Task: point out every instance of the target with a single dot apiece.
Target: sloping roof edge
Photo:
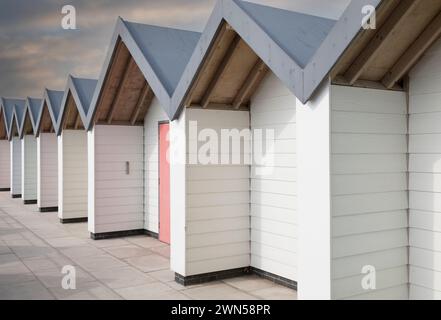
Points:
(301, 81)
(28, 112)
(73, 90)
(11, 103)
(18, 122)
(48, 102)
(122, 33)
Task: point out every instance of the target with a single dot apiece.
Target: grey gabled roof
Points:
(160, 53)
(8, 105)
(32, 110)
(18, 117)
(300, 49)
(82, 91)
(53, 100)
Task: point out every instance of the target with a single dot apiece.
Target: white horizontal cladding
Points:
(153, 118)
(115, 178)
(16, 166)
(424, 177)
(29, 168)
(313, 190)
(369, 188)
(72, 174)
(47, 170)
(5, 165)
(217, 196)
(273, 184)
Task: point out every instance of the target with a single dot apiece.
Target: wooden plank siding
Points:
(72, 174)
(273, 185)
(369, 192)
(15, 166)
(29, 168)
(115, 195)
(425, 176)
(5, 164)
(217, 202)
(154, 116)
(47, 173)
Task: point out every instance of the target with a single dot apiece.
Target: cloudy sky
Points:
(35, 52)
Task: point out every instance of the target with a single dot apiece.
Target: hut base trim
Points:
(48, 209)
(16, 196)
(30, 201)
(226, 274)
(5, 189)
(73, 220)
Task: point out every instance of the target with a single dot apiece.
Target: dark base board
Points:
(30, 201)
(151, 234)
(275, 278)
(5, 189)
(116, 234)
(212, 276)
(225, 274)
(73, 220)
(16, 196)
(49, 209)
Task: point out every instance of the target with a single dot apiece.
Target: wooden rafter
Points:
(208, 59)
(369, 53)
(69, 110)
(109, 75)
(77, 121)
(219, 72)
(120, 90)
(256, 75)
(414, 53)
(145, 98)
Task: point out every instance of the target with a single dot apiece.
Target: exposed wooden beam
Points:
(414, 53)
(145, 98)
(77, 121)
(341, 81)
(69, 110)
(219, 72)
(224, 29)
(382, 36)
(115, 58)
(120, 90)
(256, 75)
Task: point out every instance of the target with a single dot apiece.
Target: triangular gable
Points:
(160, 54)
(7, 106)
(17, 119)
(287, 42)
(49, 111)
(31, 113)
(81, 91)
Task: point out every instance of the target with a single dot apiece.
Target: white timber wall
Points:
(369, 192)
(178, 192)
(15, 166)
(425, 176)
(215, 216)
(29, 168)
(5, 164)
(314, 200)
(154, 116)
(273, 180)
(47, 170)
(115, 195)
(72, 174)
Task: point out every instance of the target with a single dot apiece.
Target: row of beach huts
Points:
(348, 205)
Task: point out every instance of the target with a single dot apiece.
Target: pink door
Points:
(164, 184)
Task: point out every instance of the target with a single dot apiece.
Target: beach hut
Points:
(47, 151)
(9, 109)
(5, 155)
(27, 131)
(129, 128)
(72, 150)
